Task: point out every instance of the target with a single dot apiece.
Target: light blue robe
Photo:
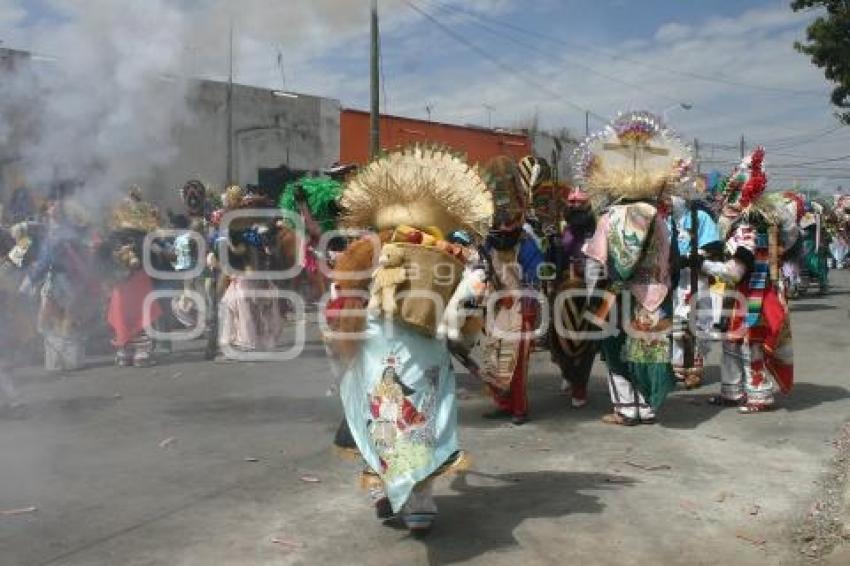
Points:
(400, 404)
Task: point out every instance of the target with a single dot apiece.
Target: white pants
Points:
(743, 375)
(628, 401)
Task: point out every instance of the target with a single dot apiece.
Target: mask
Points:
(579, 218)
(503, 241)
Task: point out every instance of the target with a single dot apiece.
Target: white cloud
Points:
(11, 14)
(673, 31)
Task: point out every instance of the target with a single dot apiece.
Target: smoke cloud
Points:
(99, 100)
(102, 98)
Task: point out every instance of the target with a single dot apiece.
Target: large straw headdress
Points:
(420, 186)
(510, 193)
(634, 157)
(134, 213)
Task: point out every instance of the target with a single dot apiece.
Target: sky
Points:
(732, 62)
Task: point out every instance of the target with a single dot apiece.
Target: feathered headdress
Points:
(321, 194)
(757, 181)
(510, 197)
(636, 157)
(747, 183)
(421, 186)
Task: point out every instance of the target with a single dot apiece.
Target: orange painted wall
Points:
(479, 144)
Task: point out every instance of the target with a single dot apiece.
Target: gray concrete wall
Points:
(299, 131)
(544, 146)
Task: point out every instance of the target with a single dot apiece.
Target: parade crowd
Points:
(419, 263)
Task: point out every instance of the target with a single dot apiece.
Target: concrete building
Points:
(557, 150)
(479, 144)
(271, 129)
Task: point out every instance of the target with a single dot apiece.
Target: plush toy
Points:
(127, 257)
(390, 274)
(23, 242)
(471, 287)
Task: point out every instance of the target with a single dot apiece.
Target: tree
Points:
(828, 45)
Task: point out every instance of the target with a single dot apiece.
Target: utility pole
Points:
(587, 123)
(375, 116)
(230, 180)
(489, 110)
(743, 147)
(696, 154)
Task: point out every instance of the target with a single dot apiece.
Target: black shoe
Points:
(383, 509)
(343, 437)
(519, 420)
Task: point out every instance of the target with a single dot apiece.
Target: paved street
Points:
(197, 463)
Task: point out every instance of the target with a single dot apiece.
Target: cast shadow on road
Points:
(811, 307)
(690, 410)
(832, 292)
(548, 407)
(481, 517)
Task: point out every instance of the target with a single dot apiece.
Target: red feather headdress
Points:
(757, 181)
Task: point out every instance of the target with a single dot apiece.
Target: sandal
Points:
(618, 419)
(383, 509)
(579, 395)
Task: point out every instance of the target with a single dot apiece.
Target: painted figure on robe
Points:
(396, 291)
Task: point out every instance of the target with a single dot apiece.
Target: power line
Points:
(615, 56)
(818, 161)
(513, 71)
(806, 139)
(531, 47)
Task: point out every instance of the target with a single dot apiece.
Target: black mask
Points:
(580, 218)
(502, 240)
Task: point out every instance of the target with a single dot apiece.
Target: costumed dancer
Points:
(131, 221)
(62, 277)
(187, 255)
(17, 317)
(398, 389)
(250, 321)
(571, 350)
(694, 237)
(315, 200)
(514, 258)
(815, 246)
(757, 229)
(632, 164)
(840, 246)
(792, 261)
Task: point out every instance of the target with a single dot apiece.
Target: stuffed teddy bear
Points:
(20, 233)
(472, 286)
(385, 280)
(127, 257)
